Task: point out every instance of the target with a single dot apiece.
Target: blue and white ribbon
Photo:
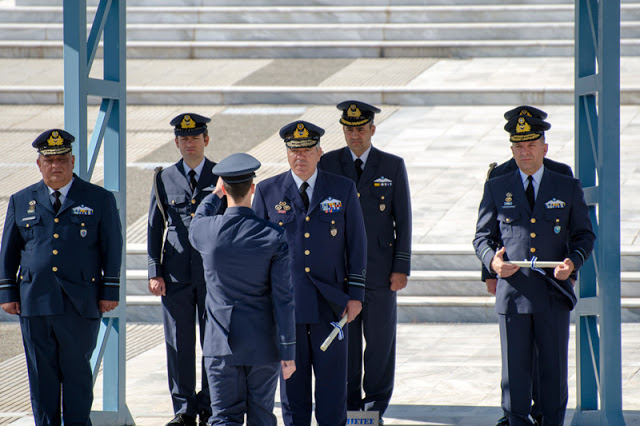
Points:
(339, 327)
(533, 265)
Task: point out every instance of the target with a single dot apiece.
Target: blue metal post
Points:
(79, 53)
(597, 115)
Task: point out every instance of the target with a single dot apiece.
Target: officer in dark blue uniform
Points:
(250, 330)
(491, 279)
(175, 268)
(383, 188)
(59, 270)
(531, 212)
(325, 231)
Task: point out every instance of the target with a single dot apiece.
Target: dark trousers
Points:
(377, 324)
(58, 350)
(239, 389)
(183, 304)
(546, 333)
(330, 372)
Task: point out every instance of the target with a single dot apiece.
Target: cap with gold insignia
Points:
(524, 128)
(525, 110)
(53, 142)
(189, 124)
(356, 113)
(301, 134)
(237, 168)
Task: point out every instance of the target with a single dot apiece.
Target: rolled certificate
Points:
(334, 333)
(534, 264)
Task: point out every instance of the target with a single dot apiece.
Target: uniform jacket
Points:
(250, 308)
(181, 263)
(77, 251)
(327, 244)
(384, 195)
(559, 227)
(510, 166)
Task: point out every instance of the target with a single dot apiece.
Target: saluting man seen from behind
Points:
(529, 212)
(490, 279)
(250, 334)
(59, 271)
(383, 190)
(175, 268)
(323, 222)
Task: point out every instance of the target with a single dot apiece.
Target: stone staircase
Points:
(444, 286)
(189, 29)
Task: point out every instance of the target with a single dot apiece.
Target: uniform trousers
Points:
(522, 335)
(377, 323)
(239, 389)
(58, 349)
(182, 305)
(330, 373)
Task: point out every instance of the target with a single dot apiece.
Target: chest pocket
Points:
(511, 224)
(381, 197)
(28, 225)
(178, 205)
(83, 227)
(557, 220)
(283, 220)
(333, 224)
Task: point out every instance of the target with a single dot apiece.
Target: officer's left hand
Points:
(353, 309)
(398, 281)
(12, 308)
(562, 272)
(107, 305)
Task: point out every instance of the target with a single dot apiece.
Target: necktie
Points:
(192, 180)
(530, 194)
(57, 204)
(303, 194)
(358, 166)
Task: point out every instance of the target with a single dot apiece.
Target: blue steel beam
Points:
(109, 134)
(597, 155)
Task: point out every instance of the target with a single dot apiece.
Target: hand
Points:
(218, 190)
(288, 368)
(157, 287)
(12, 308)
(562, 272)
(492, 284)
(398, 281)
(107, 305)
(352, 310)
(503, 270)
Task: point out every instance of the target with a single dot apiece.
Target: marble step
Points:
(322, 32)
(323, 14)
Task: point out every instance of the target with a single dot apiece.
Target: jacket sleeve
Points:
(283, 302)
(259, 205)
(110, 250)
(207, 209)
(10, 257)
(402, 217)
(356, 246)
(581, 236)
(487, 235)
(155, 232)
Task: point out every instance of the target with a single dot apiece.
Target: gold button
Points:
(333, 222)
(55, 269)
(56, 220)
(55, 252)
(307, 252)
(390, 244)
(382, 198)
(358, 195)
(193, 201)
(508, 220)
(533, 220)
(280, 223)
(21, 277)
(173, 201)
(307, 269)
(307, 235)
(557, 220)
(93, 280)
(307, 218)
(55, 235)
(533, 235)
(193, 214)
(82, 224)
(27, 225)
(533, 249)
